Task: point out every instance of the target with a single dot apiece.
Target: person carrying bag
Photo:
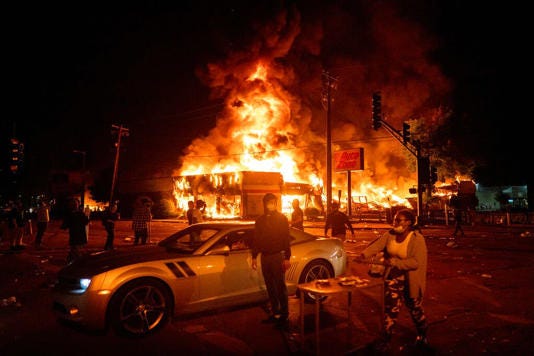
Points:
(404, 272)
(377, 268)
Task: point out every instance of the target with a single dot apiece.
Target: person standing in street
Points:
(18, 220)
(11, 218)
(193, 213)
(271, 240)
(108, 220)
(194, 216)
(75, 221)
(406, 257)
(141, 219)
(458, 222)
(339, 223)
(297, 217)
(43, 218)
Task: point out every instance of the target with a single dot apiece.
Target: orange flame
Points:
(261, 131)
(267, 125)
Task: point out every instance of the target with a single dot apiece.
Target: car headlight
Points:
(83, 284)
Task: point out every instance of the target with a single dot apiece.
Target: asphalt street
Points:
(480, 300)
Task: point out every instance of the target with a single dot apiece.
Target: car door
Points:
(228, 276)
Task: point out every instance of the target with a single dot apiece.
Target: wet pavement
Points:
(480, 300)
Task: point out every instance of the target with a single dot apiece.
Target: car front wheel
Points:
(317, 269)
(140, 308)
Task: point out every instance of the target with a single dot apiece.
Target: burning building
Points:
(238, 194)
(271, 130)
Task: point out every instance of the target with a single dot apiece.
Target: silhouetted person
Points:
(87, 212)
(108, 220)
(339, 222)
(194, 215)
(271, 239)
(297, 217)
(43, 218)
(141, 219)
(18, 220)
(75, 221)
(458, 222)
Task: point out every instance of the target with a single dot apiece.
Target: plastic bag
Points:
(377, 268)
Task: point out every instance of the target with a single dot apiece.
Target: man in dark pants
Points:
(271, 239)
(141, 219)
(43, 218)
(75, 221)
(108, 220)
(339, 222)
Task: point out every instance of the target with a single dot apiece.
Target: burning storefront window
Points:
(239, 194)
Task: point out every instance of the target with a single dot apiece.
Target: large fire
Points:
(261, 132)
(270, 123)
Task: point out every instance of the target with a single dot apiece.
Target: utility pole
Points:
(82, 195)
(329, 83)
(121, 131)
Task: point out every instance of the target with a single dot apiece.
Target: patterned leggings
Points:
(395, 291)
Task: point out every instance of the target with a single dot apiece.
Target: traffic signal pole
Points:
(413, 147)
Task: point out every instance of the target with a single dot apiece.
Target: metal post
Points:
(349, 193)
(122, 131)
(328, 84)
(82, 196)
(328, 150)
(419, 189)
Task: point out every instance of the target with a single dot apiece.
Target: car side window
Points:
(239, 240)
(197, 236)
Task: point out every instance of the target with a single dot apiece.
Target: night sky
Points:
(74, 72)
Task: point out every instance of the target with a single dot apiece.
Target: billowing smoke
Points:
(274, 117)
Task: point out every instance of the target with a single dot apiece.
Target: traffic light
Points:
(433, 175)
(423, 170)
(405, 132)
(377, 110)
(16, 156)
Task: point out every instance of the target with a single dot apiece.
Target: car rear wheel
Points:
(140, 308)
(317, 269)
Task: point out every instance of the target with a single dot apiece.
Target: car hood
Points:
(100, 262)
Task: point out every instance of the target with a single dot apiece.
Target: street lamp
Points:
(82, 197)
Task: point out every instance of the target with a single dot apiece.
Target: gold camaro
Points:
(205, 266)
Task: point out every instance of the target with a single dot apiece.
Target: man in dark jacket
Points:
(271, 239)
(108, 220)
(75, 221)
(339, 222)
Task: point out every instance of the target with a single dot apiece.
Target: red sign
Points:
(349, 160)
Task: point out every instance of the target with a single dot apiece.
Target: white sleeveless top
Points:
(399, 249)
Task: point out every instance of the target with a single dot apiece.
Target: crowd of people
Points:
(18, 221)
(403, 247)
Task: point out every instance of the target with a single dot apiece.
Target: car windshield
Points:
(189, 239)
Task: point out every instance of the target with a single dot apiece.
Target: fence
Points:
(441, 217)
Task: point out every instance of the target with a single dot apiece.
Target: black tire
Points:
(140, 308)
(316, 269)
